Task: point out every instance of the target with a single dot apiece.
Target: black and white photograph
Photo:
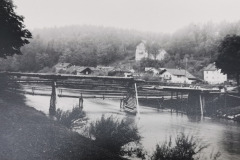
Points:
(119, 80)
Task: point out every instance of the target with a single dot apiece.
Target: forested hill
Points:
(91, 46)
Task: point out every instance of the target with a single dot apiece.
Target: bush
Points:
(112, 134)
(134, 150)
(186, 148)
(150, 77)
(69, 118)
(4, 83)
(47, 70)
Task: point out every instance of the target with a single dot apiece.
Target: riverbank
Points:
(214, 109)
(230, 113)
(26, 133)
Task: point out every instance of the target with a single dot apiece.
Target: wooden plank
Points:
(66, 76)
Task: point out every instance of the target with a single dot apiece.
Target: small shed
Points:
(120, 73)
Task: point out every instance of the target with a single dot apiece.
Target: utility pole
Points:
(186, 71)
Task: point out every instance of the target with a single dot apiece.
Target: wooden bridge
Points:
(127, 89)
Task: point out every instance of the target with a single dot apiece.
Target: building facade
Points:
(176, 76)
(141, 52)
(212, 75)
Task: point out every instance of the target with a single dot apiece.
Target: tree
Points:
(145, 62)
(13, 34)
(112, 134)
(229, 56)
(153, 49)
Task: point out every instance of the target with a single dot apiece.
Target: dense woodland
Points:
(91, 46)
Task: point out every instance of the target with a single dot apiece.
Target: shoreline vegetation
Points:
(29, 134)
(230, 113)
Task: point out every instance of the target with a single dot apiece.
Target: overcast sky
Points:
(144, 15)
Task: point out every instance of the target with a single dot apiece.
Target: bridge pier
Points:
(80, 102)
(196, 103)
(130, 103)
(122, 104)
(53, 100)
(33, 90)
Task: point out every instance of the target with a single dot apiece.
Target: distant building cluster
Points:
(173, 75)
(67, 68)
(211, 74)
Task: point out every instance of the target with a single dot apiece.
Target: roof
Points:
(211, 67)
(120, 70)
(105, 68)
(82, 69)
(147, 69)
(179, 72)
(62, 65)
(72, 68)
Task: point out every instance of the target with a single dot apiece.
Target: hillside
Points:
(92, 45)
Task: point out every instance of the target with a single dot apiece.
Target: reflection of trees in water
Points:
(231, 139)
(194, 118)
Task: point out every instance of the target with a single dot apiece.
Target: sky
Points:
(163, 16)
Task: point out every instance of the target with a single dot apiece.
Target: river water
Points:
(156, 126)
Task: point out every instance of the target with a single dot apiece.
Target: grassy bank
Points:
(26, 133)
(230, 113)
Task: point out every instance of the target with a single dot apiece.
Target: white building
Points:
(141, 53)
(177, 76)
(212, 75)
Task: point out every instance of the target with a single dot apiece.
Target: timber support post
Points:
(137, 104)
(121, 104)
(53, 100)
(81, 102)
(201, 104)
(33, 90)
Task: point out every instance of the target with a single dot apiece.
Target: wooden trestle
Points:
(122, 88)
(127, 89)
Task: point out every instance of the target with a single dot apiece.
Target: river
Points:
(156, 126)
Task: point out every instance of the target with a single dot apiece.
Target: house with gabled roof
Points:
(62, 66)
(85, 70)
(72, 69)
(177, 76)
(213, 75)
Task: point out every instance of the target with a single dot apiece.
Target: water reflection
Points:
(194, 118)
(156, 125)
(231, 139)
